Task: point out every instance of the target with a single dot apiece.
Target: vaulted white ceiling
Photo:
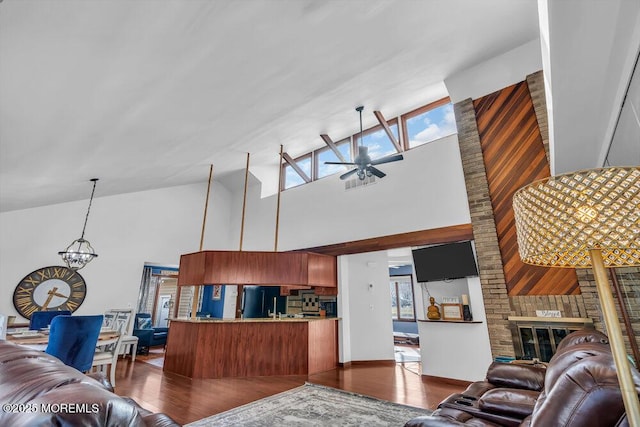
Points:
(146, 94)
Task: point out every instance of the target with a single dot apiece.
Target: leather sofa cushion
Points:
(581, 337)
(23, 382)
(478, 388)
(587, 389)
(580, 389)
(511, 375)
(38, 379)
(92, 406)
(562, 360)
(509, 401)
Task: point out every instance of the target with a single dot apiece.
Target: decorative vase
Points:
(433, 312)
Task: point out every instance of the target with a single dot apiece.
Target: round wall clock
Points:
(49, 288)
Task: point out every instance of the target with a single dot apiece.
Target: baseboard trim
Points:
(367, 363)
(445, 380)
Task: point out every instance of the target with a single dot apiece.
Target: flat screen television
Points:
(444, 262)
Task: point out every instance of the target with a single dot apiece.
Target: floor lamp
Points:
(583, 219)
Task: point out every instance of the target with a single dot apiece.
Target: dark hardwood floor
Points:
(186, 400)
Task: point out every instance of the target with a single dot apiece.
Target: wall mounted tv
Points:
(444, 262)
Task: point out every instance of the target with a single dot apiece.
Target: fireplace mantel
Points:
(534, 319)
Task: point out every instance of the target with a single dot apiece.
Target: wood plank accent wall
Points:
(514, 156)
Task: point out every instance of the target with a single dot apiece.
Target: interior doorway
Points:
(403, 306)
(157, 295)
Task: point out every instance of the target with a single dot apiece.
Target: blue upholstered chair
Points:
(42, 319)
(73, 339)
(148, 336)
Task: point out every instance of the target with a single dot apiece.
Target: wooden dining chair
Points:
(73, 339)
(107, 356)
(121, 319)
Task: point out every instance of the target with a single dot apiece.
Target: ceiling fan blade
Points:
(377, 172)
(348, 174)
(387, 159)
(339, 163)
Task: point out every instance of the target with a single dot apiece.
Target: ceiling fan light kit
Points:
(365, 167)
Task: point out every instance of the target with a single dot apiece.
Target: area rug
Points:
(315, 405)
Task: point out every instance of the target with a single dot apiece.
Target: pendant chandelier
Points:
(80, 252)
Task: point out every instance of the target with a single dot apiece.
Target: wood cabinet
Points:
(258, 268)
(245, 348)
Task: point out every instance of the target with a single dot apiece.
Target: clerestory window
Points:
(417, 127)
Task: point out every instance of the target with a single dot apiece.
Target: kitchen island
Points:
(218, 348)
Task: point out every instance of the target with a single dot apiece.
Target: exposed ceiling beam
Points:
(333, 147)
(387, 129)
(450, 234)
(287, 158)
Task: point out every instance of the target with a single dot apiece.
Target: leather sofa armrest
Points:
(102, 379)
(159, 420)
(445, 417)
(150, 418)
(509, 401)
(478, 388)
(432, 421)
(511, 375)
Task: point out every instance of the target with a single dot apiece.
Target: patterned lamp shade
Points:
(559, 219)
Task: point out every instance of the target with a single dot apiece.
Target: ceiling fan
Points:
(365, 167)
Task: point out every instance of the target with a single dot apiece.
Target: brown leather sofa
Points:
(37, 389)
(579, 387)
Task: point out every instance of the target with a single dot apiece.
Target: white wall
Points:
(496, 73)
(438, 290)
(125, 230)
(592, 49)
(456, 350)
(424, 191)
(368, 302)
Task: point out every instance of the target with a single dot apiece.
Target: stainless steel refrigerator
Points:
(258, 301)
